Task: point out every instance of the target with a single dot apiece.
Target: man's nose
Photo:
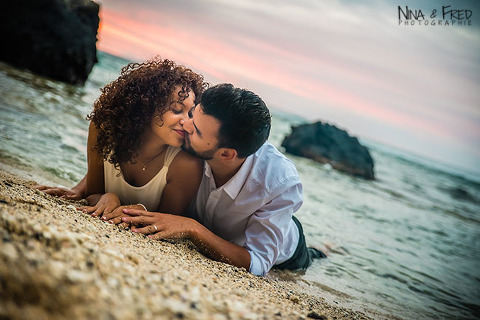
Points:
(187, 125)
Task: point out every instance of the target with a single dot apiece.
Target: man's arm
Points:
(264, 232)
(167, 226)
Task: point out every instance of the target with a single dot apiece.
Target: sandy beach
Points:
(57, 263)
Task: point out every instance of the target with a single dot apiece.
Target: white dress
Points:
(149, 194)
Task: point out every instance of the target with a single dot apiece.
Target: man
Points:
(243, 212)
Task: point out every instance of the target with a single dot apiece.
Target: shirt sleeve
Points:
(266, 229)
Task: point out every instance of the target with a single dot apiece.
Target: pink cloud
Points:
(329, 79)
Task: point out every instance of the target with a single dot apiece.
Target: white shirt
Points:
(254, 208)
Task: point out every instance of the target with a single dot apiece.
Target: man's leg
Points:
(302, 257)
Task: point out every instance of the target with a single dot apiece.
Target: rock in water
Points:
(328, 144)
(54, 38)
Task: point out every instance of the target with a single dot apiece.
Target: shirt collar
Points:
(235, 184)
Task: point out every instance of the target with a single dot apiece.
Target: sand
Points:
(58, 263)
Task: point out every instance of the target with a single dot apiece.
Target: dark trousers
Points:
(302, 257)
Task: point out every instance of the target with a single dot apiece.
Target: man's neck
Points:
(223, 171)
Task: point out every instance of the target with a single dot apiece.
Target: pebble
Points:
(9, 251)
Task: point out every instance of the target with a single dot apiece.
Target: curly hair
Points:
(126, 106)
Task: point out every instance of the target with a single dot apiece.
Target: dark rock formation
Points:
(328, 144)
(54, 38)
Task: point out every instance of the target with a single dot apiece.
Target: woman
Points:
(134, 156)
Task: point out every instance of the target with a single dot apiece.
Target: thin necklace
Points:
(146, 164)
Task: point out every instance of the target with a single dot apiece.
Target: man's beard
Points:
(206, 155)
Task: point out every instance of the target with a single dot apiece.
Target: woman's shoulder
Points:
(184, 160)
(186, 168)
(186, 157)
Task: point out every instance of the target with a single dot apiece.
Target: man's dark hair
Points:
(244, 118)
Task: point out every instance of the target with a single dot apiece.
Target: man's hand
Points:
(64, 193)
(159, 225)
(167, 226)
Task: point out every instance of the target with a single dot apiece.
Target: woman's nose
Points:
(184, 116)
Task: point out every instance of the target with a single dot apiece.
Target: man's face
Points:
(202, 131)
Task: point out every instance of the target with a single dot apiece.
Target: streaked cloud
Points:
(347, 62)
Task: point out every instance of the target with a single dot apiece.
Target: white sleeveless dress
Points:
(149, 194)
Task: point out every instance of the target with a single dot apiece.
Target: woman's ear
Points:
(158, 121)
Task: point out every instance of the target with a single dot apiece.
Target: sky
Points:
(354, 64)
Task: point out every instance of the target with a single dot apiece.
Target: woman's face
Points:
(167, 126)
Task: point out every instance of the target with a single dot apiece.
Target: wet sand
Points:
(58, 263)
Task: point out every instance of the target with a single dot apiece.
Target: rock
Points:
(328, 144)
(54, 38)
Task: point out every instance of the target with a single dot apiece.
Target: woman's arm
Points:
(94, 183)
(100, 203)
(183, 178)
(79, 189)
(76, 193)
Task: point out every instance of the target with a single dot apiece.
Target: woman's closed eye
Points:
(176, 107)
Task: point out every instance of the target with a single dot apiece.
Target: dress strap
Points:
(170, 155)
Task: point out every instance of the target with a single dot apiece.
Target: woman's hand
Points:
(159, 225)
(115, 217)
(64, 193)
(107, 203)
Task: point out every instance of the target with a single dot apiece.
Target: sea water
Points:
(405, 244)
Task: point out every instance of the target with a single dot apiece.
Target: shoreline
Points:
(56, 262)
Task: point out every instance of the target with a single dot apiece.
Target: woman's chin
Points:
(177, 142)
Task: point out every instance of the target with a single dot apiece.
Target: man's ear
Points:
(228, 153)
